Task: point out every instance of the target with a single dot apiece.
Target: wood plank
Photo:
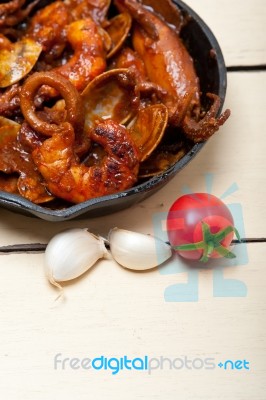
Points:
(239, 27)
(114, 312)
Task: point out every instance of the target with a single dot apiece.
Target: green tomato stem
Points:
(211, 242)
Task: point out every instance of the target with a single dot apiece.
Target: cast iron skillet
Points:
(212, 74)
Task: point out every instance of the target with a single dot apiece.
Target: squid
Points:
(56, 157)
(96, 103)
(73, 105)
(169, 65)
(128, 58)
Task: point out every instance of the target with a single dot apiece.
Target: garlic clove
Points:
(137, 251)
(71, 253)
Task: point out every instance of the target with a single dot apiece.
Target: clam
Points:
(159, 162)
(118, 28)
(17, 61)
(110, 95)
(147, 129)
(8, 128)
(169, 151)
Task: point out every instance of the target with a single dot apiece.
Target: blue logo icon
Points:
(232, 365)
(222, 286)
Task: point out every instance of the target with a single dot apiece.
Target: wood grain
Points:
(114, 312)
(239, 27)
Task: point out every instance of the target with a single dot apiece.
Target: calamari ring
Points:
(74, 106)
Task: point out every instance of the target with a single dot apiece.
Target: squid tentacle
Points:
(203, 129)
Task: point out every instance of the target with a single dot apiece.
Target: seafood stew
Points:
(103, 115)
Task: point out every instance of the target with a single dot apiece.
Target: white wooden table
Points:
(112, 312)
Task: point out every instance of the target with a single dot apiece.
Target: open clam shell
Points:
(110, 95)
(8, 128)
(171, 149)
(159, 162)
(118, 28)
(18, 61)
(147, 129)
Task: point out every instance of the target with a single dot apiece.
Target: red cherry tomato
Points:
(200, 226)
